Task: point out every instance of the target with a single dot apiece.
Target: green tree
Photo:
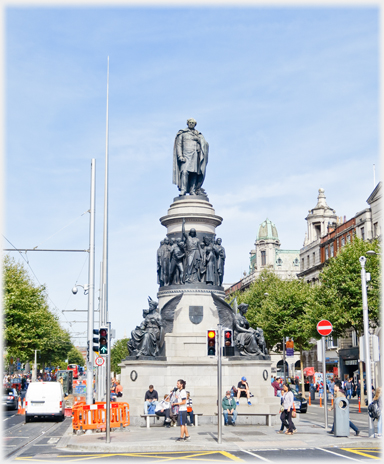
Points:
(119, 352)
(75, 357)
(29, 325)
(280, 308)
(338, 298)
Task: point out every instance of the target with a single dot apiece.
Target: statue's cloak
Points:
(203, 160)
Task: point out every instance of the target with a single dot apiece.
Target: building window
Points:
(342, 241)
(296, 262)
(331, 342)
(326, 252)
(362, 233)
(375, 229)
(348, 238)
(263, 258)
(354, 338)
(308, 262)
(302, 264)
(279, 262)
(332, 251)
(314, 258)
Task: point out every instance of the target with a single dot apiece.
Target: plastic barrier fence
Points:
(93, 416)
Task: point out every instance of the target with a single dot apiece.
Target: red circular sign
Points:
(324, 327)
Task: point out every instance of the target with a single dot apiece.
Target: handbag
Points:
(281, 408)
(189, 409)
(294, 411)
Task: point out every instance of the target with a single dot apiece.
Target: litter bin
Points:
(341, 417)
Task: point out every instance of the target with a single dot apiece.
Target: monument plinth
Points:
(171, 344)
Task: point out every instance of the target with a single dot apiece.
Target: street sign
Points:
(324, 328)
(99, 361)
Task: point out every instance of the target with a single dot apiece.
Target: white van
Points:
(44, 399)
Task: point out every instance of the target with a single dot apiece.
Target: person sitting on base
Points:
(243, 391)
(151, 397)
(163, 408)
(229, 407)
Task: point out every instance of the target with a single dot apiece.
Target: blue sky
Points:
(286, 97)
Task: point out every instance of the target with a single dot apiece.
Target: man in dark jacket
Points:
(229, 407)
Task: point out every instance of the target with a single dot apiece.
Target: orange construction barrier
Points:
(21, 408)
(320, 403)
(359, 405)
(309, 400)
(332, 401)
(93, 416)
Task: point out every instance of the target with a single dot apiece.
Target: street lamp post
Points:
(362, 259)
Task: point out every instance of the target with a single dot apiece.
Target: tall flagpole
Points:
(104, 306)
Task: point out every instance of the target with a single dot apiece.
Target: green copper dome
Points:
(267, 231)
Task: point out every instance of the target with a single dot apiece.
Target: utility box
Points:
(341, 417)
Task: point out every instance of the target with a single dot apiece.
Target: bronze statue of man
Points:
(190, 158)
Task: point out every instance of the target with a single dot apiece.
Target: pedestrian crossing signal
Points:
(211, 342)
(103, 341)
(228, 348)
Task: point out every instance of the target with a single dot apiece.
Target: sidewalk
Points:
(247, 437)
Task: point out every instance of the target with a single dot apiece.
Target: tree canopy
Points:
(29, 325)
(119, 352)
(280, 308)
(338, 298)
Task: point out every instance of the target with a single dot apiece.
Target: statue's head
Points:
(166, 241)
(192, 232)
(178, 240)
(162, 242)
(218, 241)
(181, 244)
(152, 305)
(172, 241)
(243, 308)
(191, 123)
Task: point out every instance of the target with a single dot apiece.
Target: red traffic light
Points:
(227, 334)
(103, 332)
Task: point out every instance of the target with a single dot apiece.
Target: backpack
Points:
(151, 408)
(374, 410)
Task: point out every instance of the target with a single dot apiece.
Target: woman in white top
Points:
(288, 408)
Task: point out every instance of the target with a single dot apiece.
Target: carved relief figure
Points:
(193, 255)
(220, 255)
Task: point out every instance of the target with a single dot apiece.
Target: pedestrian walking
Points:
(182, 417)
(190, 410)
(378, 406)
(286, 411)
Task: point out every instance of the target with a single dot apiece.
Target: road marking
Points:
(255, 455)
(340, 455)
(359, 451)
(163, 455)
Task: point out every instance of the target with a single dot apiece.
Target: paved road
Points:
(255, 455)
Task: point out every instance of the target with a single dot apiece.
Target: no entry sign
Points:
(324, 328)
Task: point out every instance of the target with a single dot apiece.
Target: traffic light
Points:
(103, 341)
(96, 340)
(211, 342)
(228, 348)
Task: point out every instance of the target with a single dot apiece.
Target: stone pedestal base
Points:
(201, 378)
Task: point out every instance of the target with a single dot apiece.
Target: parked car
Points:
(75, 369)
(300, 401)
(44, 399)
(10, 398)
